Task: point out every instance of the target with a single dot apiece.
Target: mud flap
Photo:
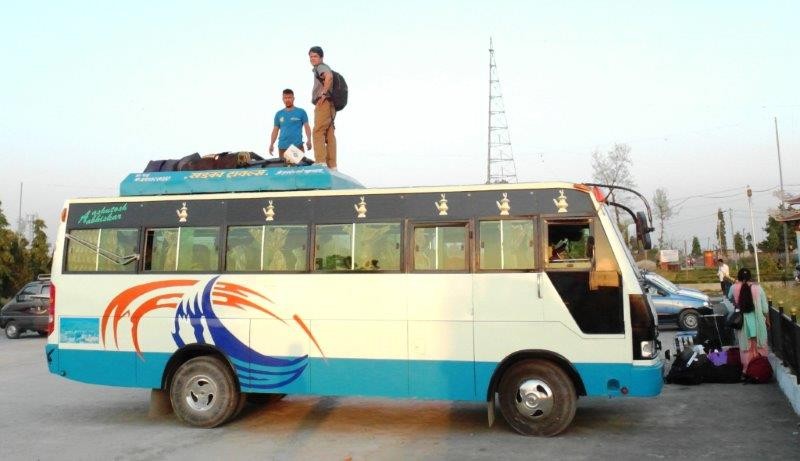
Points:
(490, 410)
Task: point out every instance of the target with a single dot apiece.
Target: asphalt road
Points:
(47, 417)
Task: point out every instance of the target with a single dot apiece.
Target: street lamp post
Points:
(783, 197)
(753, 231)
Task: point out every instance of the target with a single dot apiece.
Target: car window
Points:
(31, 289)
(45, 290)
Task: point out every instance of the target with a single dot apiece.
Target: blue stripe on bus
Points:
(429, 379)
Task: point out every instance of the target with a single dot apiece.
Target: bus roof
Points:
(339, 190)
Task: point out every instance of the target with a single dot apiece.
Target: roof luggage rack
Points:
(231, 172)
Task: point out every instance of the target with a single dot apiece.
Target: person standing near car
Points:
(724, 275)
(324, 112)
(289, 121)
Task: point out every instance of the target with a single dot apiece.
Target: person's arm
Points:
(272, 139)
(327, 83)
(307, 127)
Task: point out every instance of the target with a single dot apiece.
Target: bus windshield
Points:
(625, 248)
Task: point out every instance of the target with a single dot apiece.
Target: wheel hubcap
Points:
(12, 330)
(690, 321)
(534, 399)
(201, 393)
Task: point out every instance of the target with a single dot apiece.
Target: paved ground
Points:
(47, 417)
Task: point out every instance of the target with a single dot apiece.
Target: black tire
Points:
(12, 330)
(264, 399)
(203, 392)
(689, 319)
(551, 398)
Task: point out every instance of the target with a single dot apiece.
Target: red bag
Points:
(758, 371)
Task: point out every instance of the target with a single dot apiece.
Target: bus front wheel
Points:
(203, 392)
(537, 398)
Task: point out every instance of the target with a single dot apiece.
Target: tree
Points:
(663, 213)
(738, 243)
(40, 250)
(613, 169)
(773, 242)
(721, 235)
(6, 258)
(749, 239)
(696, 250)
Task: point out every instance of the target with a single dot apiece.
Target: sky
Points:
(92, 90)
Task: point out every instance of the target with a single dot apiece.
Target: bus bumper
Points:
(51, 354)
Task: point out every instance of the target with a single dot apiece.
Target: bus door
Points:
(582, 268)
(440, 338)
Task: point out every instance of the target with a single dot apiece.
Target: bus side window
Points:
(191, 249)
(285, 248)
(244, 248)
(440, 248)
(506, 245)
(121, 242)
(199, 248)
(377, 246)
(81, 258)
(570, 245)
(333, 245)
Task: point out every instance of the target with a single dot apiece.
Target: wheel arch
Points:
(189, 352)
(540, 354)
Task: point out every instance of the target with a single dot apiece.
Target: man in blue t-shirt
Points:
(288, 121)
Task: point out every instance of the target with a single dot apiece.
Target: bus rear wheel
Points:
(537, 398)
(203, 392)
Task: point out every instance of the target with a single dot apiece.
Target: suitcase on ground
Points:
(688, 368)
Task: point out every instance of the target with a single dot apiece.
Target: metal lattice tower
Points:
(500, 167)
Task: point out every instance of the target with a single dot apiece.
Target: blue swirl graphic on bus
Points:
(196, 322)
(262, 371)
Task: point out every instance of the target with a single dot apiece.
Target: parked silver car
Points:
(675, 304)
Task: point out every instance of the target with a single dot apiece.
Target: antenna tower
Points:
(500, 166)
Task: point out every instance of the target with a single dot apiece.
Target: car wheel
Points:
(264, 399)
(204, 393)
(537, 398)
(12, 330)
(688, 320)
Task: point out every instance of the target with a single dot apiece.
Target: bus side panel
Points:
(441, 365)
(497, 340)
(367, 358)
(440, 335)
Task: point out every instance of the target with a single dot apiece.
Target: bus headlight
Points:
(648, 349)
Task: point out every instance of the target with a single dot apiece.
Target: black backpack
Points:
(338, 90)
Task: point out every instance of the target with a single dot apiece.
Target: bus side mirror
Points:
(643, 230)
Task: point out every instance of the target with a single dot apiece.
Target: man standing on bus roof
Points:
(324, 112)
(289, 121)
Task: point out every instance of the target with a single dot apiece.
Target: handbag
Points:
(736, 320)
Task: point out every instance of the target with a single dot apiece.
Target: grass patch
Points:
(788, 296)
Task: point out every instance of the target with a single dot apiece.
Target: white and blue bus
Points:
(522, 295)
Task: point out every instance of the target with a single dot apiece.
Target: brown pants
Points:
(283, 151)
(323, 135)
